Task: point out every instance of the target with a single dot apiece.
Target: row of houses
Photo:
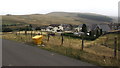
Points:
(57, 28)
(76, 28)
(69, 27)
(92, 27)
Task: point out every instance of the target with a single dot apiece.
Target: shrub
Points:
(79, 37)
(7, 30)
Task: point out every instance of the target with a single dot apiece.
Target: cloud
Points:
(108, 7)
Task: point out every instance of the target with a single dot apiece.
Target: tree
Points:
(91, 33)
(30, 25)
(97, 33)
(84, 29)
(37, 28)
(100, 31)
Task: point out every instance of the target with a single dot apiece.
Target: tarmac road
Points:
(19, 54)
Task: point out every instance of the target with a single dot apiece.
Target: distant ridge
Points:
(57, 17)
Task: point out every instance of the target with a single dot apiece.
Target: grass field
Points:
(94, 51)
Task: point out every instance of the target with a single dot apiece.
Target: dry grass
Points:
(93, 52)
(100, 50)
(46, 19)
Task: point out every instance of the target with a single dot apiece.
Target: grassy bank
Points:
(93, 51)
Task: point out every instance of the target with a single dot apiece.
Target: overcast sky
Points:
(20, 7)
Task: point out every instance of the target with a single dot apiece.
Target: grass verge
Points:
(95, 54)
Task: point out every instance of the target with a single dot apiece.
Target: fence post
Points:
(26, 35)
(41, 32)
(19, 32)
(31, 33)
(82, 42)
(48, 37)
(16, 32)
(25, 32)
(115, 47)
(105, 42)
(62, 40)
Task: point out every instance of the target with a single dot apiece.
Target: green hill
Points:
(56, 18)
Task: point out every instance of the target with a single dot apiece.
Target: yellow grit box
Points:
(37, 39)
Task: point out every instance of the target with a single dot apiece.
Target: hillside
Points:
(115, 19)
(56, 18)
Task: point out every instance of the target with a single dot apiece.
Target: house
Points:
(78, 28)
(114, 26)
(75, 28)
(43, 28)
(59, 27)
(105, 27)
(100, 27)
(93, 27)
(90, 27)
(49, 28)
(67, 27)
(54, 28)
(34, 26)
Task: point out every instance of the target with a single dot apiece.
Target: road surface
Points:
(18, 54)
(0, 52)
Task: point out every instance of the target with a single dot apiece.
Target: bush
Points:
(23, 29)
(7, 30)
(79, 37)
(37, 28)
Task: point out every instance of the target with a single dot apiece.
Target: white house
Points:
(55, 28)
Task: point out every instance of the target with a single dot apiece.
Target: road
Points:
(0, 52)
(19, 54)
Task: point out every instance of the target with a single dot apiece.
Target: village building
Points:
(59, 28)
(93, 27)
(114, 26)
(67, 27)
(105, 28)
(54, 28)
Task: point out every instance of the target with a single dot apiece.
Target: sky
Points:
(21, 7)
